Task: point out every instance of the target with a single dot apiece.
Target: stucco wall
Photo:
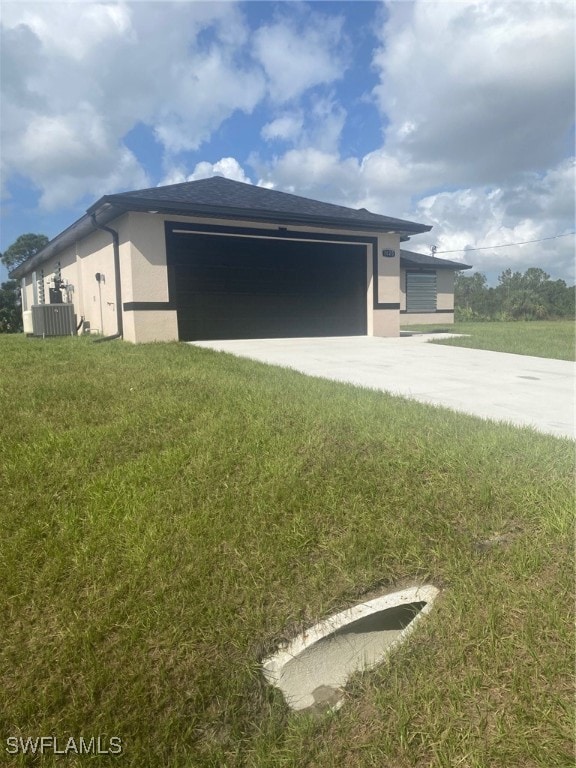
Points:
(28, 292)
(151, 325)
(97, 301)
(386, 322)
(93, 301)
(147, 258)
(423, 318)
(445, 286)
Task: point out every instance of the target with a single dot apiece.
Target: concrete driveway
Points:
(525, 391)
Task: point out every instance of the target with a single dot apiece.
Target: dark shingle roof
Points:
(222, 198)
(225, 197)
(412, 259)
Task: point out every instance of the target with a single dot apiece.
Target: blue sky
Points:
(456, 114)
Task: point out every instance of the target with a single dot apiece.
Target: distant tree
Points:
(24, 247)
(472, 296)
(534, 278)
(10, 314)
(559, 298)
(533, 296)
(469, 288)
(518, 296)
(508, 283)
(525, 304)
(20, 250)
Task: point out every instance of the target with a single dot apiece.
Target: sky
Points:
(458, 114)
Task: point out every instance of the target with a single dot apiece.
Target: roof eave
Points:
(226, 212)
(455, 265)
(110, 207)
(76, 231)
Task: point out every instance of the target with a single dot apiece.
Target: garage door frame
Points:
(173, 229)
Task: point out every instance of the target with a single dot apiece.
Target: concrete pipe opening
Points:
(312, 669)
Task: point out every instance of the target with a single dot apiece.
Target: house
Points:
(220, 259)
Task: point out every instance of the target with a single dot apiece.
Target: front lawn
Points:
(170, 514)
(540, 338)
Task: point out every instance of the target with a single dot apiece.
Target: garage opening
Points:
(229, 287)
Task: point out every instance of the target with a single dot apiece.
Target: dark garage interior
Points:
(234, 287)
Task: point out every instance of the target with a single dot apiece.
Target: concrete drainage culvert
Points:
(312, 669)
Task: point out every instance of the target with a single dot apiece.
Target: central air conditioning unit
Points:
(53, 320)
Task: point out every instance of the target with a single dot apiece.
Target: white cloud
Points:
(311, 173)
(484, 88)
(480, 218)
(286, 128)
(379, 181)
(68, 156)
(120, 170)
(228, 167)
(319, 126)
(476, 95)
(476, 101)
(205, 92)
(299, 51)
(69, 29)
(326, 120)
(78, 77)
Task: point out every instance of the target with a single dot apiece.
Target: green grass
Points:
(170, 514)
(541, 338)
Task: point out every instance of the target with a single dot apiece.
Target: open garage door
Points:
(228, 287)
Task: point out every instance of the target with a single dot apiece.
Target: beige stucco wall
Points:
(145, 278)
(444, 300)
(433, 318)
(78, 266)
(148, 280)
(97, 302)
(386, 322)
(445, 288)
(27, 288)
(152, 325)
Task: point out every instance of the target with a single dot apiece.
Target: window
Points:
(420, 291)
(41, 295)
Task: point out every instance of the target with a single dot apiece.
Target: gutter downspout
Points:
(116, 245)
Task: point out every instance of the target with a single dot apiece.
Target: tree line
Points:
(531, 295)
(10, 308)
